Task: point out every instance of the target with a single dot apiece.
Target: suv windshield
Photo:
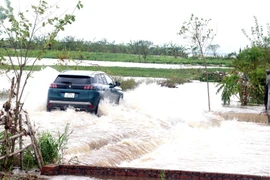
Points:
(69, 79)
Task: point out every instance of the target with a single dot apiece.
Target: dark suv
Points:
(82, 90)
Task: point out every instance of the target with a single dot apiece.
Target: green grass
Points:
(53, 148)
(78, 55)
(188, 74)
(171, 75)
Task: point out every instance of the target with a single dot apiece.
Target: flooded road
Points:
(48, 61)
(156, 127)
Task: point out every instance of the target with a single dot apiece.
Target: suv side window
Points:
(108, 79)
(103, 78)
(99, 79)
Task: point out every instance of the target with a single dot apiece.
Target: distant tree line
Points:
(141, 48)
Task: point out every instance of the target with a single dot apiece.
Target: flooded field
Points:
(156, 127)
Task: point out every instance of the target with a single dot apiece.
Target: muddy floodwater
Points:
(156, 127)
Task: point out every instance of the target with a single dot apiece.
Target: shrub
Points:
(216, 76)
(127, 84)
(29, 160)
(172, 81)
(3, 152)
(52, 149)
(49, 148)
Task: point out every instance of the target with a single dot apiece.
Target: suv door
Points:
(112, 91)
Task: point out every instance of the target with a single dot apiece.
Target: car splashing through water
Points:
(82, 90)
(156, 127)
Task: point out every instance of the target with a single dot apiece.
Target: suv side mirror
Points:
(117, 83)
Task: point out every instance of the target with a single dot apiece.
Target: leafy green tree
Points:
(145, 48)
(228, 87)
(246, 80)
(213, 48)
(141, 48)
(249, 68)
(199, 34)
(176, 50)
(195, 52)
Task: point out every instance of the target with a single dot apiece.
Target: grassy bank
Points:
(173, 76)
(78, 55)
(184, 74)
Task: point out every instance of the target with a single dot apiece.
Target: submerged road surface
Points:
(156, 127)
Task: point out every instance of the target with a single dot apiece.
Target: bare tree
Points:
(258, 37)
(18, 31)
(199, 34)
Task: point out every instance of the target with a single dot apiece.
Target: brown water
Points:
(157, 127)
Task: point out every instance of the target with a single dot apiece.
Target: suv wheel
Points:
(96, 110)
(120, 99)
(48, 109)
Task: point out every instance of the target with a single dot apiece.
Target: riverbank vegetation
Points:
(65, 54)
(247, 79)
(171, 76)
(188, 73)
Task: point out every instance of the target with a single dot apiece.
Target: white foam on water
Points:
(156, 127)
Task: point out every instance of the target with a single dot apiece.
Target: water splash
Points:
(156, 127)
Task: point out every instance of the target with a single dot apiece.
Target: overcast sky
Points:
(159, 21)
